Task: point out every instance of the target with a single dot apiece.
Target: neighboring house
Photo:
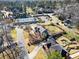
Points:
(42, 11)
(7, 14)
(69, 23)
(48, 11)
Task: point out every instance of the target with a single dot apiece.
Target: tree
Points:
(77, 26)
(54, 4)
(55, 55)
(77, 1)
(1, 16)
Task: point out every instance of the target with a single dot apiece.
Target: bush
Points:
(55, 55)
(77, 38)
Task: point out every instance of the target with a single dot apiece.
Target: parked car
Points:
(69, 23)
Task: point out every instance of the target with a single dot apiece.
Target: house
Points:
(25, 20)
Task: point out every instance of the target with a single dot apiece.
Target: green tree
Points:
(54, 4)
(55, 55)
(77, 25)
(1, 17)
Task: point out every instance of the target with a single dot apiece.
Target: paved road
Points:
(35, 51)
(20, 40)
(20, 36)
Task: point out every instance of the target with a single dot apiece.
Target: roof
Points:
(23, 20)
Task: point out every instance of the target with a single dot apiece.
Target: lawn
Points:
(69, 35)
(41, 55)
(53, 29)
(77, 38)
(13, 34)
